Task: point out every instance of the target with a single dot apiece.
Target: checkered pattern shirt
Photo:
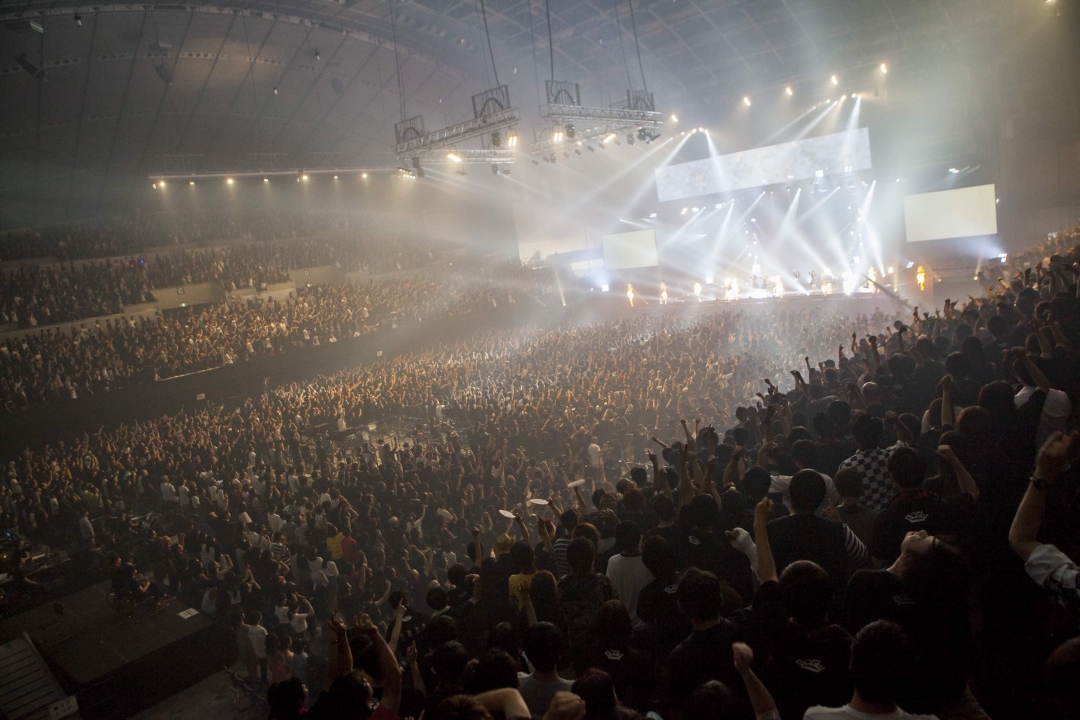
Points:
(878, 485)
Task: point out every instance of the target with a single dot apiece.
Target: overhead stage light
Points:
(834, 80)
(746, 100)
(674, 118)
(884, 69)
(191, 182)
(452, 156)
(266, 180)
(496, 139)
(228, 181)
(953, 171)
(78, 19)
(570, 130)
(511, 139)
(789, 91)
(629, 138)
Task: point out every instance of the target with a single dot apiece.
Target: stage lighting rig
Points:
(492, 115)
(570, 120)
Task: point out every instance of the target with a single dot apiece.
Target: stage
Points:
(116, 665)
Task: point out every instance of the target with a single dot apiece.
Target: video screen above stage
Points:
(624, 251)
(847, 151)
(959, 213)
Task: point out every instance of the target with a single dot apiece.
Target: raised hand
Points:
(1054, 454)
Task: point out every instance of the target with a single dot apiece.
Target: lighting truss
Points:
(564, 108)
(470, 156)
(491, 112)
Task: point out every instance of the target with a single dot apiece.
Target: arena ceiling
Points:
(148, 87)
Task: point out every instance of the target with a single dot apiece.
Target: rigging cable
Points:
(551, 43)
(491, 50)
(536, 70)
(633, 24)
(397, 62)
(622, 49)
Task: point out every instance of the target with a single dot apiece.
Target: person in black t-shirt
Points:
(631, 670)
(916, 508)
(805, 536)
(809, 664)
(925, 593)
(658, 605)
(706, 654)
(703, 548)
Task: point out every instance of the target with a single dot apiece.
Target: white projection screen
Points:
(964, 212)
(630, 250)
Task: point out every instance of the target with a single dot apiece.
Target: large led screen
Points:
(847, 151)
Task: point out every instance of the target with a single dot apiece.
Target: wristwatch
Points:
(1039, 482)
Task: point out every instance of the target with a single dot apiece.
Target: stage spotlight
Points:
(571, 131)
(695, 209)
(335, 177)
(746, 100)
(605, 288)
(154, 186)
(652, 216)
(629, 138)
(228, 181)
(834, 80)
(608, 138)
(789, 91)
(709, 280)
(511, 139)
(884, 69)
(953, 171)
(910, 265)
(363, 175)
(305, 177)
(496, 139)
(641, 135)
(674, 118)
(78, 19)
(684, 211)
(452, 156)
(191, 182)
(266, 180)
(557, 135)
(891, 270)
(275, 90)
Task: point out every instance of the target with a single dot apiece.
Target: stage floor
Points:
(90, 639)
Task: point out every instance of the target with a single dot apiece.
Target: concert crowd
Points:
(740, 513)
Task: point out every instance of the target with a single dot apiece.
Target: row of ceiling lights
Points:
(231, 181)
